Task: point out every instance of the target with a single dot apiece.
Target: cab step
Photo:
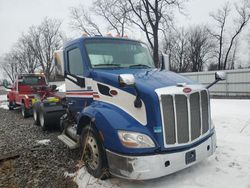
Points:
(68, 141)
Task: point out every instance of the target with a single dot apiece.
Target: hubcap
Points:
(91, 153)
(41, 120)
(35, 115)
(23, 114)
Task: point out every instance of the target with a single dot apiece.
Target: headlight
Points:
(135, 140)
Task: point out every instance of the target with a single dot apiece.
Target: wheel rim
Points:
(91, 153)
(41, 120)
(23, 113)
(35, 115)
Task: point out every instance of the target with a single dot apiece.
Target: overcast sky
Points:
(16, 16)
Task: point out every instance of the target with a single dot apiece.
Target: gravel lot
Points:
(32, 164)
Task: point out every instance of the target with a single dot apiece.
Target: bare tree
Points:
(199, 48)
(189, 49)
(178, 51)
(220, 18)
(115, 12)
(150, 15)
(233, 58)
(45, 39)
(240, 22)
(82, 21)
(9, 66)
(24, 55)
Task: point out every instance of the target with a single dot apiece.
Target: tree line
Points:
(34, 49)
(194, 48)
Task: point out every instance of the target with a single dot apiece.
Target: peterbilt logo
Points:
(187, 90)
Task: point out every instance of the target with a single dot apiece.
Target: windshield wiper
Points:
(107, 64)
(139, 65)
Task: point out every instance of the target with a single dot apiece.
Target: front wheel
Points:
(11, 105)
(93, 153)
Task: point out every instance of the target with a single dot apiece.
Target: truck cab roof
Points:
(99, 37)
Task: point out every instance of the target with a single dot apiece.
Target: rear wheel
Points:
(25, 111)
(93, 153)
(49, 119)
(36, 107)
(43, 120)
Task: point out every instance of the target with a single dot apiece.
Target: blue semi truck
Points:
(129, 118)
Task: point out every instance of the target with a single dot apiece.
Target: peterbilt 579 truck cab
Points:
(129, 118)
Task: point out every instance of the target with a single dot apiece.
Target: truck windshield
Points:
(31, 80)
(118, 54)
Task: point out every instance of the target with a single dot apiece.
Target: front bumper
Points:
(158, 165)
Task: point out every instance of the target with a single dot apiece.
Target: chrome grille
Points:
(182, 118)
(195, 118)
(204, 102)
(169, 120)
(185, 117)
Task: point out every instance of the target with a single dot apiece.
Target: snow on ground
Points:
(229, 167)
(43, 142)
(3, 102)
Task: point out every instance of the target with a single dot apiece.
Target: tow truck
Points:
(129, 118)
(28, 91)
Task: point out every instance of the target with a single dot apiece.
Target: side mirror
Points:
(58, 64)
(220, 75)
(129, 80)
(126, 80)
(164, 59)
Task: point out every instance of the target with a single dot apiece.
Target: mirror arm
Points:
(214, 82)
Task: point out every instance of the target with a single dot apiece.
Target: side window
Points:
(75, 63)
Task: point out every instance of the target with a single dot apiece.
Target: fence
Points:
(237, 82)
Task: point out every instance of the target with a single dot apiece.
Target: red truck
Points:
(28, 90)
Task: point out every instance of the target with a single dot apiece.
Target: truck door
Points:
(76, 92)
(16, 92)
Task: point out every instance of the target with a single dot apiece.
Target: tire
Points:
(36, 108)
(48, 119)
(11, 105)
(93, 153)
(43, 119)
(24, 111)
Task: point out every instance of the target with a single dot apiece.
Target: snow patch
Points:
(84, 179)
(228, 167)
(4, 102)
(43, 142)
(71, 175)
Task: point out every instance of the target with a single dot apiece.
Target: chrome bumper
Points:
(154, 166)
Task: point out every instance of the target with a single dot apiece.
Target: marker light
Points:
(109, 35)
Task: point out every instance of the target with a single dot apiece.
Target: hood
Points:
(145, 79)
